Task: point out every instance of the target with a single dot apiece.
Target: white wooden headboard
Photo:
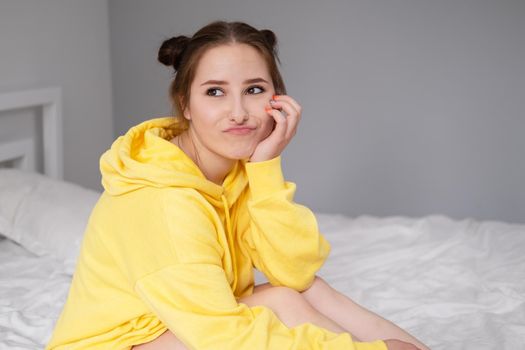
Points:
(21, 152)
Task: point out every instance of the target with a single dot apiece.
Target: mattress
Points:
(452, 284)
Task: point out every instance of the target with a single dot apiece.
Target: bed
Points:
(455, 284)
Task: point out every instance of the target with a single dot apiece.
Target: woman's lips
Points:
(240, 131)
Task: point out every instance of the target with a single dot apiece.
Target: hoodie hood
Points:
(145, 157)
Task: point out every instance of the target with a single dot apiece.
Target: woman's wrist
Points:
(265, 177)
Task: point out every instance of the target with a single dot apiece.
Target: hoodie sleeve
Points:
(193, 297)
(283, 239)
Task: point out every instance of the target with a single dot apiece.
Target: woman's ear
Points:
(185, 110)
(187, 114)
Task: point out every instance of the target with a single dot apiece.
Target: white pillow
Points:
(44, 215)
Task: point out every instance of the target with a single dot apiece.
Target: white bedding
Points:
(32, 291)
(453, 284)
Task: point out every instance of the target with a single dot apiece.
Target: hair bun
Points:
(270, 37)
(171, 51)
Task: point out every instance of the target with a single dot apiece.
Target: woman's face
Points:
(231, 88)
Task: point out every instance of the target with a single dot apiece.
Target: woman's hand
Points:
(394, 344)
(285, 128)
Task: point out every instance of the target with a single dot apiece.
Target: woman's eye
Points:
(255, 90)
(214, 92)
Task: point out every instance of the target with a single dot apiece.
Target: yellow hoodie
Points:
(167, 249)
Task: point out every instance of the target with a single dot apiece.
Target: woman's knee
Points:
(318, 284)
(289, 298)
(289, 305)
(273, 295)
(319, 292)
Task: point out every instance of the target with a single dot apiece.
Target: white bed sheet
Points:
(453, 284)
(32, 292)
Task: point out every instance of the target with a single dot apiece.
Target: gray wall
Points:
(410, 107)
(62, 43)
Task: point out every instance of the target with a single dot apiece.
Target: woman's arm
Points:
(194, 299)
(281, 236)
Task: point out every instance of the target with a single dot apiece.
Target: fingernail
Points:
(274, 97)
(267, 109)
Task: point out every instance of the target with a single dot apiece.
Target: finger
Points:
(284, 99)
(285, 105)
(292, 116)
(290, 100)
(281, 124)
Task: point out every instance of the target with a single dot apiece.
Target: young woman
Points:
(192, 203)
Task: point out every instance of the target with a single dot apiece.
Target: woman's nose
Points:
(239, 113)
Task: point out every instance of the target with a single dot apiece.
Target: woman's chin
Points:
(240, 155)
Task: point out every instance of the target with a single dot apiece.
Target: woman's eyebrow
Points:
(222, 82)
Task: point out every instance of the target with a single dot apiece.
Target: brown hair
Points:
(184, 53)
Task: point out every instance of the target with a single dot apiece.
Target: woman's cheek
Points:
(266, 120)
(267, 128)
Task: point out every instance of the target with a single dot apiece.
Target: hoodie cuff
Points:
(265, 177)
